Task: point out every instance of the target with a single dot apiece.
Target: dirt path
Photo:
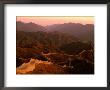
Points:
(56, 53)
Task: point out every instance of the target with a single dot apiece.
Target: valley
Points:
(47, 50)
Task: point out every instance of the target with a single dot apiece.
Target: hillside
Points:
(29, 27)
(54, 39)
(76, 47)
(82, 32)
(56, 49)
(28, 44)
(39, 67)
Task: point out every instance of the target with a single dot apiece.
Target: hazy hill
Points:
(52, 39)
(82, 32)
(29, 27)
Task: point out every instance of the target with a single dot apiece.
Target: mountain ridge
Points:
(80, 31)
(29, 27)
(83, 32)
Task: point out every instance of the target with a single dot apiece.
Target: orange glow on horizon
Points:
(49, 20)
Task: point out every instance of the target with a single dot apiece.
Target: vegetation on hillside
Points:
(52, 53)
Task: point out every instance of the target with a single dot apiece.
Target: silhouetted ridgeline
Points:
(80, 31)
(29, 27)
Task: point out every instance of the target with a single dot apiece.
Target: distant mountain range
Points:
(80, 31)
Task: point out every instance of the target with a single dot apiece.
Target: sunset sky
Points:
(49, 20)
